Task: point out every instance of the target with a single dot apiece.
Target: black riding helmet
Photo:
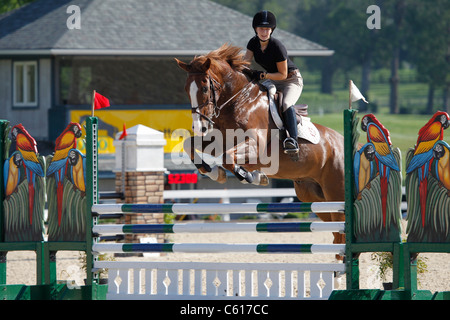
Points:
(265, 19)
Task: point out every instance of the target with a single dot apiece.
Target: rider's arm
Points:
(281, 66)
(281, 74)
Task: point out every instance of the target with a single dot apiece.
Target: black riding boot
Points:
(290, 144)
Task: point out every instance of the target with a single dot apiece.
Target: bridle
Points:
(212, 99)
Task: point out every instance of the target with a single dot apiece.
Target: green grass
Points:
(328, 109)
(412, 98)
(412, 94)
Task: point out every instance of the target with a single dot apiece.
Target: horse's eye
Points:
(205, 90)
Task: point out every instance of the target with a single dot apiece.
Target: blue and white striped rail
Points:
(219, 227)
(219, 248)
(221, 208)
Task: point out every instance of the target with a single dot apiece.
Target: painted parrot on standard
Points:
(77, 163)
(364, 169)
(429, 135)
(441, 154)
(26, 145)
(378, 148)
(11, 173)
(58, 166)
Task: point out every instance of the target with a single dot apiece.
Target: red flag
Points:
(124, 133)
(100, 101)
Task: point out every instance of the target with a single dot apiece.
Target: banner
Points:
(112, 121)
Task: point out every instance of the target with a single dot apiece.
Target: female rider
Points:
(271, 54)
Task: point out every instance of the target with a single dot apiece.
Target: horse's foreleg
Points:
(214, 172)
(255, 177)
(237, 158)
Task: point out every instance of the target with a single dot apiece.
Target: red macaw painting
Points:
(66, 187)
(24, 183)
(376, 167)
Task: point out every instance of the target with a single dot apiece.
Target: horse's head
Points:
(210, 78)
(203, 91)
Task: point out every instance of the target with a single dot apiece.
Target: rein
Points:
(237, 93)
(212, 97)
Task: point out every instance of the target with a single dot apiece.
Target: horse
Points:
(224, 101)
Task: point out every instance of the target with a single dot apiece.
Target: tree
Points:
(342, 27)
(393, 27)
(428, 40)
(8, 5)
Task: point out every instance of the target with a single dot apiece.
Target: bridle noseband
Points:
(213, 100)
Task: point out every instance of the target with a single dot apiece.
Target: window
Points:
(136, 81)
(25, 84)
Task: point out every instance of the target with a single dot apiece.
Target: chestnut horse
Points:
(223, 102)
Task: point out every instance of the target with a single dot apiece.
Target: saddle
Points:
(306, 129)
(301, 110)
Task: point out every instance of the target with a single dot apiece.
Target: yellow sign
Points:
(111, 122)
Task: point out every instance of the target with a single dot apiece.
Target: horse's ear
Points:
(186, 67)
(206, 65)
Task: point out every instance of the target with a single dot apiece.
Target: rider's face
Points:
(263, 33)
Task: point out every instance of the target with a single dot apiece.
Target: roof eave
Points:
(121, 52)
(310, 53)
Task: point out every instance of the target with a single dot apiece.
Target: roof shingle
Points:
(119, 26)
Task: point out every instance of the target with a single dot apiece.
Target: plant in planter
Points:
(386, 263)
(103, 273)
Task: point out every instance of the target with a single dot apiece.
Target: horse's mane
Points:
(226, 53)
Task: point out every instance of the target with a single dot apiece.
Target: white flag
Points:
(355, 94)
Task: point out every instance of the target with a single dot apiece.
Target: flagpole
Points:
(350, 94)
(93, 102)
(123, 159)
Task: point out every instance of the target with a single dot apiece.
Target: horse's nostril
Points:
(204, 129)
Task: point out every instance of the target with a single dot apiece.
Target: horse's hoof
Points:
(263, 179)
(222, 178)
(202, 171)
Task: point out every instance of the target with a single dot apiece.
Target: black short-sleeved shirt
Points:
(275, 52)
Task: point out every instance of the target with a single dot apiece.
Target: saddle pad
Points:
(306, 129)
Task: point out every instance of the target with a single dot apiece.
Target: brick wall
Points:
(142, 187)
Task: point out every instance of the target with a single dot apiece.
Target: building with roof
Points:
(54, 53)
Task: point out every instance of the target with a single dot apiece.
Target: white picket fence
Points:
(207, 280)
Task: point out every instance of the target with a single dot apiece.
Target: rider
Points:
(271, 54)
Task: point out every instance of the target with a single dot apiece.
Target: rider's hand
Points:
(254, 75)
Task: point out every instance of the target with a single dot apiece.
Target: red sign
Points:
(182, 178)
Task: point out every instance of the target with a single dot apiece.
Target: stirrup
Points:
(290, 146)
